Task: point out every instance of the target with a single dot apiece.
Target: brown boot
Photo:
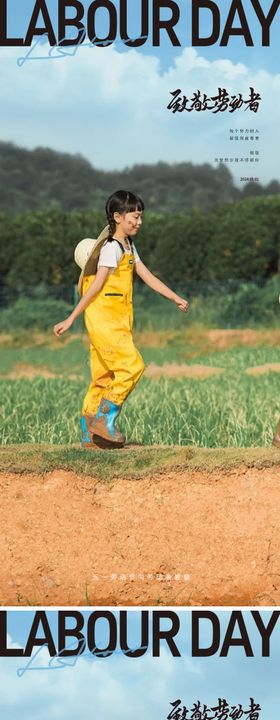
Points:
(103, 427)
(276, 439)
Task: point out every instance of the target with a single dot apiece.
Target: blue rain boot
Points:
(103, 427)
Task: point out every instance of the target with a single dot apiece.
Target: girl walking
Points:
(106, 287)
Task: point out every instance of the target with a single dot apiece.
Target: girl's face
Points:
(130, 222)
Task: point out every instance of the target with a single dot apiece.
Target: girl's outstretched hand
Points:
(181, 303)
(62, 327)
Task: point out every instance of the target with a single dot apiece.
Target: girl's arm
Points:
(153, 282)
(93, 290)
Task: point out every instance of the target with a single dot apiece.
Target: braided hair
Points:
(122, 202)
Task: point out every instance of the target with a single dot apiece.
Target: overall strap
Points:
(110, 239)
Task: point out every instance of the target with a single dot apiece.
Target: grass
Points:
(57, 358)
(132, 463)
(239, 358)
(230, 410)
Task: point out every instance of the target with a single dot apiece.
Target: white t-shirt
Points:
(111, 254)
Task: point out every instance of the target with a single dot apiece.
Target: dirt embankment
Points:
(189, 538)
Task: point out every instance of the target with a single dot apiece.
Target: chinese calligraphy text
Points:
(216, 103)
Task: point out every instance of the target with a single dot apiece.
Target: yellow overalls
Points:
(116, 364)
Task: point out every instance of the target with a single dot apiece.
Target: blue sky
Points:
(110, 104)
(119, 688)
(19, 14)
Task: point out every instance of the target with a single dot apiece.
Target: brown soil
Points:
(152, 339)
(198, 372)
(225, 339)
(5, 339)
(262, 369)
(188, 538)
(173, 370)
(27, 339)
(31, 371)
(21, 370)
(216, 339)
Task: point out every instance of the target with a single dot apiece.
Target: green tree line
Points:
(236, 240)
(44, 178)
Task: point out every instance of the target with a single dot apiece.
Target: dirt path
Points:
(191, 538)
(199, 372)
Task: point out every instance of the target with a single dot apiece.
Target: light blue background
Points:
(121, 688)
(110, 104)
(19, 15)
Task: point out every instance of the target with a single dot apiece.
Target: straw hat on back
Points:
(87, 253)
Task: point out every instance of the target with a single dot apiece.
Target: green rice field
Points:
(42, 387)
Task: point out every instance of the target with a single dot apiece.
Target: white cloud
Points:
(111, 107)
(117, 687)
(121, 688)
